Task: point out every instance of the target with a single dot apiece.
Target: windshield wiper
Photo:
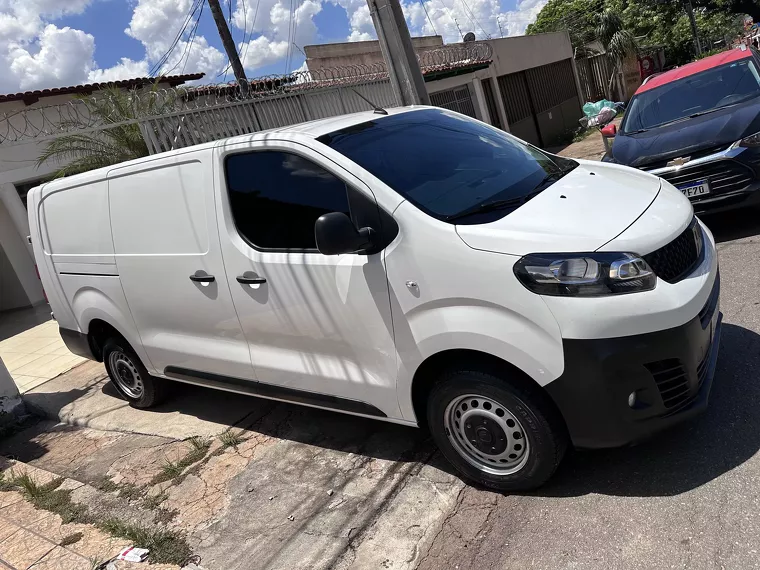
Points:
(707, 112)
(495, 205)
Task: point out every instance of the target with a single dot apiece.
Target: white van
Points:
(415, 266)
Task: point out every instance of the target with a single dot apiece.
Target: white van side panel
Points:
(77, 223)
(74, 250)
(164, 231)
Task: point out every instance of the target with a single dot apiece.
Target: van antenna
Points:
(376, 108)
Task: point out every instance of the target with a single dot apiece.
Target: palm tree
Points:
(618, 42)
(119, 139)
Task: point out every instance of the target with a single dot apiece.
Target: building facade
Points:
(529, 88)
(19, 173)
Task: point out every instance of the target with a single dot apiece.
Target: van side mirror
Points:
(609, 131)
(335, 233)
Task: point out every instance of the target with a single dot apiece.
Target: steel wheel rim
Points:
(126, 375)
(486, 434)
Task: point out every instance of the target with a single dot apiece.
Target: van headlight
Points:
(584, 274)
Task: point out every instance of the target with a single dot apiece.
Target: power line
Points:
(428, 17)
(163, 59)
(253, 28)
(290, 36)
(188, 45)
(464, 2)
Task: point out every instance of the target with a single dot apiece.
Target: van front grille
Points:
(677, 259)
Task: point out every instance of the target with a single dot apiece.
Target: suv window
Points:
(277, 196)
(694, 95)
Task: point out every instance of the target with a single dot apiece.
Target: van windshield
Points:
(692, 96)
(448, 165)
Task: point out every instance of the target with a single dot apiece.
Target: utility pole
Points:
(398, 52)
(693, 22)
(229, 46)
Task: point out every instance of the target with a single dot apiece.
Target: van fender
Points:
(89, 303)
(482, 327)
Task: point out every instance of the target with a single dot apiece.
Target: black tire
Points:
(130, 373)
(535, 419)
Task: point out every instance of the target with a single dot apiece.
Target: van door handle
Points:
(250, 279)
(202, 277)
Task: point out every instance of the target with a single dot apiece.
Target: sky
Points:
(56, 43)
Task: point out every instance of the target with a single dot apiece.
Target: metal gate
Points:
(457, 99)
(519, 107)
(493, 108)
(542, 102)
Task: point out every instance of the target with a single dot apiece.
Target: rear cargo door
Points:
(167, 251)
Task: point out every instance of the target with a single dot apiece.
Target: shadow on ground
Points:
(676, 461)
(672, 462)
(735, 224)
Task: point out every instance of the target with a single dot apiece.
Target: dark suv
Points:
(698, 127)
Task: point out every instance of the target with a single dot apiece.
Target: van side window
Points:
(277, 196)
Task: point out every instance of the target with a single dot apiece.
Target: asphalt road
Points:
(690, 498)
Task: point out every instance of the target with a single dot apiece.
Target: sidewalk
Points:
(33, 353)
(38, 539)
(250, 484)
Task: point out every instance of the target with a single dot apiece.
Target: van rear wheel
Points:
(496, 434)
(130, 377)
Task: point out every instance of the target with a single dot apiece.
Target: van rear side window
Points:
(276, 197)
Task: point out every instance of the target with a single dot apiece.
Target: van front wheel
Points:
(130, 377)
(495, 433)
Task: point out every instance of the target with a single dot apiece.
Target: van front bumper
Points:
(670, 373)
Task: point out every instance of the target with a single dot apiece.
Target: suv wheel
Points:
(130, 377)
(496, 434)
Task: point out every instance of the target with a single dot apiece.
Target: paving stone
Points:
(23, 548)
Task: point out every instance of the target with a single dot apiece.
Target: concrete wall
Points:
(19, 284)
(358, 53)
(18, 164)
(518, 53)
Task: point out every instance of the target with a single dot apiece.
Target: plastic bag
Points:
(593, 109)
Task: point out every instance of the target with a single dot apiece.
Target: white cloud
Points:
(262, 51)
(125, 69)
(64, 57)
(274, 28)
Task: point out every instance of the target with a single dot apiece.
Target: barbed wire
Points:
(108, 109)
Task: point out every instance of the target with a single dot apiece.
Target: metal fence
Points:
(594, 75)
(175, 118)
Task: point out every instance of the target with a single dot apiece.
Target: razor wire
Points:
(106, 110)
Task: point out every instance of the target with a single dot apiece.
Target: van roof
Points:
(311, 129)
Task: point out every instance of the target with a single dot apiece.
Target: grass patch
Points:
(173, 469)
(49, 497)
(7, 484)
(583, 134)
(71, 539)
(130, 491)
(166, 547)
(153, 502)
(165, 516)
(229, 438)
(105, 484)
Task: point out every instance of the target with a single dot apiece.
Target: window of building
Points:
(276, 197)
(23, 188)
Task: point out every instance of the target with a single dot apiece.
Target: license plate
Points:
(695, 189)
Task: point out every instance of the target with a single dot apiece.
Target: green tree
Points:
(119, 139)
(617, 40)
(575, 16)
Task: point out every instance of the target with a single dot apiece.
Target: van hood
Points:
(653, 148)
(581, 212)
